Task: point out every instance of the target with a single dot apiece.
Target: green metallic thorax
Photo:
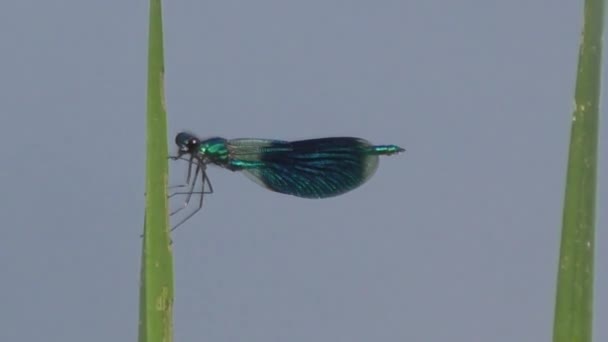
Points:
(220, 151)
(215, 150)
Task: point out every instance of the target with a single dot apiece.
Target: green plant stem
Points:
(574, 300)
(156, 287)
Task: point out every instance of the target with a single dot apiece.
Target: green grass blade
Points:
(156, 292)
(574, 300)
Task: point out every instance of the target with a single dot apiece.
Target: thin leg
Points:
(188, 193)
(205, 180)
(191, 192)
(187, 201)
(208, 191)
(190, 162)
(177, 186)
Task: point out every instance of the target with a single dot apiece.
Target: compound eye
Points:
(193, 142)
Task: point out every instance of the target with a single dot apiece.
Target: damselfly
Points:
(314, 168)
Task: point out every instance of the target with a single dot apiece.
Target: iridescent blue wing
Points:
(314, 168)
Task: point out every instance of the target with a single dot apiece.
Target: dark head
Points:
(187, 143)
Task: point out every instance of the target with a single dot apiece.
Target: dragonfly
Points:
(313, 168)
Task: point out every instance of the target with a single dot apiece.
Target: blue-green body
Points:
(314, 168)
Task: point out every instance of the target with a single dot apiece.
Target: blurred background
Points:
(457, 239)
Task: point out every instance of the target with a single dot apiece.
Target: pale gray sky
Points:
(455, 240)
